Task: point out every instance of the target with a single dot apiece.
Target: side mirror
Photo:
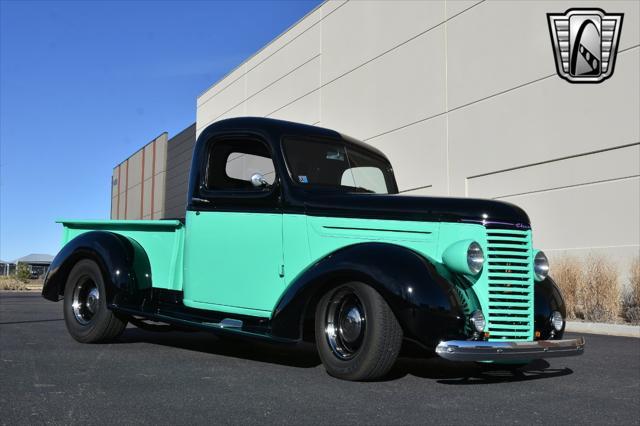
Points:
(259, 181)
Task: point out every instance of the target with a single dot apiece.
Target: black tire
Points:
(90, 321)
(373, 352)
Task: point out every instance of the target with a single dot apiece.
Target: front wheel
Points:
(357, 335)
(86, 314)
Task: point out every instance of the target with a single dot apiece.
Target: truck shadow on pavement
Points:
(294, 356)
(471, 373)
(305, 356)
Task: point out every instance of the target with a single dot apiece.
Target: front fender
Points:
(123, 261)
(547, 299)
(425, 303)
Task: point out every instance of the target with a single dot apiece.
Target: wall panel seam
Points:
(246, 98)
(355, 68)
(415, 189)
(568, 157)
(468, 104)
(577, 185)
(243, 64)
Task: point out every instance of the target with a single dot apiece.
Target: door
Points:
(233, 242)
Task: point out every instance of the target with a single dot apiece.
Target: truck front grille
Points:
(510, 282)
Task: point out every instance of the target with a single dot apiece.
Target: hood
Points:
(408, 207)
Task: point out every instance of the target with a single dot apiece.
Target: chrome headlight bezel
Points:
(478, 321)
(475, 258)
(540, 266)
(465, 257)
(556, 320)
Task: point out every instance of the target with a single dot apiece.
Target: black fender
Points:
(425, 303)
(123, 261)
(547, 298)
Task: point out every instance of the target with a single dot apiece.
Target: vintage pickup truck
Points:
(295, 232)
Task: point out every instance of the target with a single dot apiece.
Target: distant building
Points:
(7, 267)
(152, 183)
(38, 263)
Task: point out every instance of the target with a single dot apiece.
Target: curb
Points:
(621, 330)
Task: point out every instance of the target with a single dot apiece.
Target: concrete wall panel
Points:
(417, 153)
(456, 7)
(268, 53)
(498, 45)
(286, 90)
(286, 60)
(134, 202)
(146, 211)
(227, 81)
(179, 153)
(222, 102)
(574, 171)
(135, 170)
(114, 207)
(421, 192)
(304, 110)
(362, 30)
(543, 121)
(382, 96)
(594, 215)
(159, 196)
(148, 160)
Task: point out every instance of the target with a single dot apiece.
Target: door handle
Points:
(200, 200)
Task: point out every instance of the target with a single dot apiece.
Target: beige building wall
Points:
(464, 99)
(138, 183)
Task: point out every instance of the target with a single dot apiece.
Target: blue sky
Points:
(85, 84)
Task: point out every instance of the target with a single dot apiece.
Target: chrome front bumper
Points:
(469, 350)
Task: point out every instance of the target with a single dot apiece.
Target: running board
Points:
(229, 326)
(226, 323)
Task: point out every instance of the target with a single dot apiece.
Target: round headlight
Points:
(478, 321)
(464, 256)
(540, 266)
(475, 257)
(556, 320)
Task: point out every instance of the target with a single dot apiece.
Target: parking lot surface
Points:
(196, 378)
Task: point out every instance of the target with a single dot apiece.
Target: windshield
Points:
(335, 165)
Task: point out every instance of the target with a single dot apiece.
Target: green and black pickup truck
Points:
(310, 240)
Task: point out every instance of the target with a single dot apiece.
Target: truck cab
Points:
(296, 232)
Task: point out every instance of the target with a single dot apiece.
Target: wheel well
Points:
(71, 261)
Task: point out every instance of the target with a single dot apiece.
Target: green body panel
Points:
(162, 240)
(233, 262)
(325, 235)
(328, 234)
(242, 263)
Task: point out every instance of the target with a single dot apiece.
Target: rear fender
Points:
(123, 261)
(425, 303)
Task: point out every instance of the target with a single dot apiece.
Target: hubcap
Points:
(86, 300)
(351, 324)
(345, 323)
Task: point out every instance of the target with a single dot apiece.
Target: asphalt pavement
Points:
(196, 378)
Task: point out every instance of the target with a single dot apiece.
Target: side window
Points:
(369, 178)
(231, 162)
(241, 166)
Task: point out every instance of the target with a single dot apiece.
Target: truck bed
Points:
(163, 241)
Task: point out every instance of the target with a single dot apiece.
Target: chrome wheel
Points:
(86, 299)
(345, 323)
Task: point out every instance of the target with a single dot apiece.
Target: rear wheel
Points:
(357, 335)
(86, 314)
